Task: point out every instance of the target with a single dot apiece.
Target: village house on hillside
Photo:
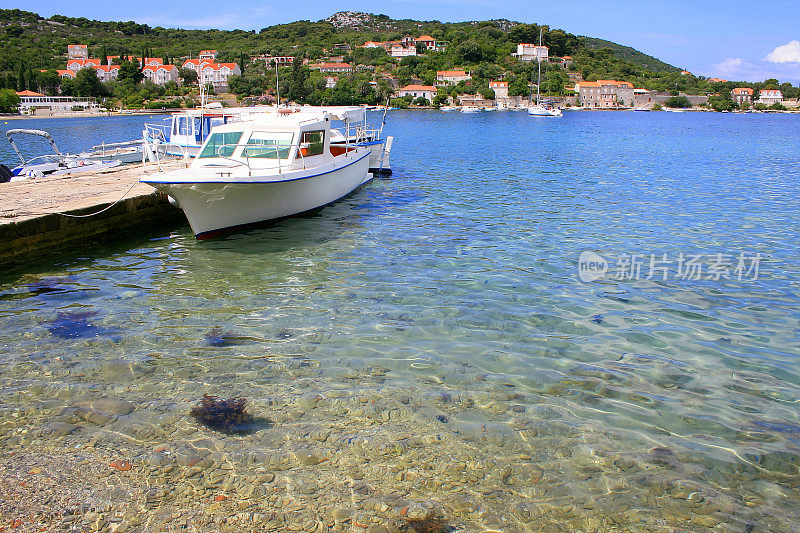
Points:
(208, 71)
(77, 51)
(336, 68)
(531, 52)
(451, 77)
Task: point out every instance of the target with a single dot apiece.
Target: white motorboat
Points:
(188, 130)
(56, 164)
(273, 166)
(540, 108)
(448, 108)
(470, 109)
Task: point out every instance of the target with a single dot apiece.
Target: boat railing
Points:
(277, 148)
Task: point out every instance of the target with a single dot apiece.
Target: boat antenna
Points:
(277, 84)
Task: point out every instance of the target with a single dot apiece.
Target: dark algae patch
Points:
(226, 416)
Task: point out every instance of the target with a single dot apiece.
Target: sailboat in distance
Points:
(540, 109)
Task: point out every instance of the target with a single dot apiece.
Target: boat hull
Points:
(539, 111)
(218, 207)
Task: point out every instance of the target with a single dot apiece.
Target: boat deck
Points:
(30, 211)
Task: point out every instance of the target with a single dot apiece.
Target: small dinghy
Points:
(56, 164)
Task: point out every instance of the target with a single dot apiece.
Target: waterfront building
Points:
(770, 96)
(742, 94)
(417, 91)
(32, 102)
(605, 94)
(500, 88)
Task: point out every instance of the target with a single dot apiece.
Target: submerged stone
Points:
(71, 325)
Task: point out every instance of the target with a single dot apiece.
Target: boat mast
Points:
(539, 61)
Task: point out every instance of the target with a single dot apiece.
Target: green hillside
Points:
(628, 54)
(32, 43)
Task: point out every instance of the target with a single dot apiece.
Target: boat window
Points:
(183, 125)
(221, 144)
(269, 145)
(312, 142)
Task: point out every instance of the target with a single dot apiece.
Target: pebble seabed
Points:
(89, 448)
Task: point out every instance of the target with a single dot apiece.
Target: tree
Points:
(49, 81)
(470, 51)
(88, 84)
(8, 100)
(297, 81)
(130, 70)
(21, 77)
(678, 101)
(189, 76)
(241, 63)
(104, 56)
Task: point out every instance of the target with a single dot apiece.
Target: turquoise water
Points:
(440, 313)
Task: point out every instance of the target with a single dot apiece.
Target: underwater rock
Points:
(428, 525)
(227, 416)
(220, 338)
(71, 325)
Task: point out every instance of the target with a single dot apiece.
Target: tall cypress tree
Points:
(21, 77)
(104, 56)
(32, 85)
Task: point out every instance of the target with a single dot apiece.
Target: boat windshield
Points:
(269, 145)
(221, 144)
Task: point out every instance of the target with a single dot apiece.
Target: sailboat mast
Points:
(539, 61)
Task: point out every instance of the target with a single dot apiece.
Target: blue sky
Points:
(730, 39)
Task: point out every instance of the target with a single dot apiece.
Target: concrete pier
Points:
(30, 219)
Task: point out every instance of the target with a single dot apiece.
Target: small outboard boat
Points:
(56, 164)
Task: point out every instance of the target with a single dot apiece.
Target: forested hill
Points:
(628, 54)
(42, 43)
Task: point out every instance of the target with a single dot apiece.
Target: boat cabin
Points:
(293, 139)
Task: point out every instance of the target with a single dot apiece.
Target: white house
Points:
(196, 64)
(210, 55)
(330, 81)
(451, 77)
(770, 96)
(76, 64)
(161, 74)
(77, 51)
(742, 94)
(399, 50)
(336, 68)
(217, 74)
(416, 91)
(531, 52)
(107, 73)
(500, 88)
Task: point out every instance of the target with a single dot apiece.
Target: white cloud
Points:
(738, 69)
(787, 53)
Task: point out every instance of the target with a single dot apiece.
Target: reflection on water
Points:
(424, 348)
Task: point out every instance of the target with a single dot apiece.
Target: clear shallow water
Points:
(439, 312)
